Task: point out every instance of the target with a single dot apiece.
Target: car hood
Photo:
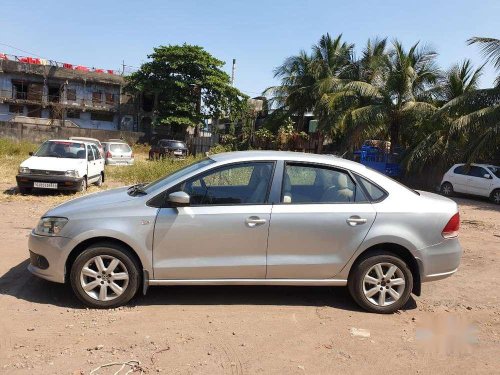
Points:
(92, 202)
(52, 164)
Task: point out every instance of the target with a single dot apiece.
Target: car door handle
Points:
(355, 220)
(254, 221)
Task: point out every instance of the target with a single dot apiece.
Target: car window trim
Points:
(367, 194)
(326, 166)
(267, 200)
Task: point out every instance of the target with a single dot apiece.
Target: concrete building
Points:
(46, 92)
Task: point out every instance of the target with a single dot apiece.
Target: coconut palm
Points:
(399, 93)
(490, 47)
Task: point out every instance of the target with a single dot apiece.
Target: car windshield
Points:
(173, 144)
(119, 147)
(162, 182)
(62, 149)
(495, 170)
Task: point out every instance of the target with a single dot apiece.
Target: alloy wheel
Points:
(496, 196)
(104, 278)
(383, 284)
(446, 189)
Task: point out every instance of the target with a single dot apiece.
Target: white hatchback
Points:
(479, 179)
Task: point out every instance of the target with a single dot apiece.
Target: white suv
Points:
(478, 179)
(61, 165)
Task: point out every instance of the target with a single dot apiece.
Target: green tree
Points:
(190, 86)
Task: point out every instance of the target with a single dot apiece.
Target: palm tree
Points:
(490, 47)
(398, 93)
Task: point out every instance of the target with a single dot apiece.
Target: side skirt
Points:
(290, 282)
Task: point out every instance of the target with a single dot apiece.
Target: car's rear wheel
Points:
(381, 283)
(105, 276)
(495, 196)
(447, 189)
(99, 181)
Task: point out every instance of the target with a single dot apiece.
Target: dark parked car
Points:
(168, 148)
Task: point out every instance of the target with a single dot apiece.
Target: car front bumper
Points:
(440, 261)
(63, 182)
(48, 256)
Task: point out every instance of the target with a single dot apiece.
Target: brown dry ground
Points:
(453, 327)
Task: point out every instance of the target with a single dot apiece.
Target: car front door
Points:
(478, 184)
(99, 160)
(92, 168)
(322, 219)
(223, 233)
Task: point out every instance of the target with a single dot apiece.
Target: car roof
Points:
(71, 140)
(287, 155)
(171, 140)
(85, 139)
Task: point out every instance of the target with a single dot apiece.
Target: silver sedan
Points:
(259, 218)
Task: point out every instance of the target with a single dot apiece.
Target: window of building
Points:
(34, 111)
(35, 91)
(72, 113)
(19, 90)
(96, 97)
(54, 94)
(16, 109)
(110, 98)
(102, 116)
(71, 94)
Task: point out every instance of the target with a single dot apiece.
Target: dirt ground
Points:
(454, 327)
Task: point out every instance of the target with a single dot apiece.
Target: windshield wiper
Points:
(137, 190)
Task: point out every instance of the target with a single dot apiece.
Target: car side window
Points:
(90, 154)
(476, 171)
(304, 183)
(243, 183)
(375, 193)
(459, 170)
(97, 154)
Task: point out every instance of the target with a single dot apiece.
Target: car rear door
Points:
(322, 219)
(223, 233)
(93, 167)
(459, 179)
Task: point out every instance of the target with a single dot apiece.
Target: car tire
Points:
(108, 292)
(495, 196)
(83, 185)
(447, 189)
(24, 190)
(99, 181)
(392, 291)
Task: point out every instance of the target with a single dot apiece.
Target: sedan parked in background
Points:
(118, 153)
(252, 218)
(168, 148)
(477, 179)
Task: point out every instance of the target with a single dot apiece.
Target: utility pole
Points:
(123, 67)
(232, 72)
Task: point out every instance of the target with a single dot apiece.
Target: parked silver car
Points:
(118, 153)
(260, 218)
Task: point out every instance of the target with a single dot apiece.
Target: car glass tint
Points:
(90, 156)
(246, 183)
(314, 184)
(477, 172)
(119, 147)
(61, 149)
(495, 171)
(373, 190)
(459, 170)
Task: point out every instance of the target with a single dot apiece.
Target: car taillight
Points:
(451, 229)
(108, 154)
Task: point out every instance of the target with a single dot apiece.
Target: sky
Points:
(258, 34)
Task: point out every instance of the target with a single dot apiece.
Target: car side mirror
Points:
(30, 153)
(486, 175)
(179, 199)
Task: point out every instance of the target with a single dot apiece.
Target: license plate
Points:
(45, 185)
(177, 152)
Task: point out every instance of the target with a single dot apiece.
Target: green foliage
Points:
(190, 84)
(10, 148)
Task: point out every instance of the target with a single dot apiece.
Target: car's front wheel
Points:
(495, 196)
(105, 276)
(447, 189)
(381, 283)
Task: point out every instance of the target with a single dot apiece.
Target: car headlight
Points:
(24, 170)
(72, 173)
(50, 226)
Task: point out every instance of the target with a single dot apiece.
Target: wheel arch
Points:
(78, 249)
(397, 250)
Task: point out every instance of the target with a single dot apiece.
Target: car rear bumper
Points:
(48, 256)
(441, 260)
(63, 182)
(111, 161)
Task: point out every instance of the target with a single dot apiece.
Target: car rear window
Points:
(119, 147)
